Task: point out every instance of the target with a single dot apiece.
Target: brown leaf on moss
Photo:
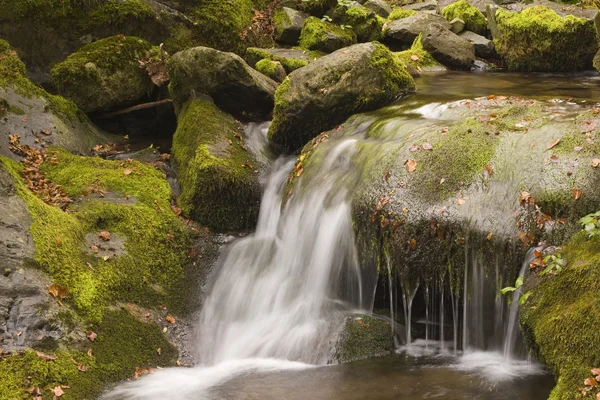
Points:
(91, 335)
(58, 391)
(46, 357)
(58, 291)
(170, 319)
(576, 193)
(490, 236)
(595, 162)
(460, 202)
(127, 172)
(552, 144)
(104, 236)
(427, 146)
(413, 243)
(411, 165)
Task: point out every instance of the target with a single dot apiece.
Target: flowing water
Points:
(279, 297)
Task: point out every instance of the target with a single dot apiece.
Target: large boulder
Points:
(448, 48)
(32, 117)
(364, 22)
(363, 337)
(217, 174)
(483, 46)
(404, 31)
(288, 25)
(233, 84)
(473, 18)
(539, 39)
(316, 7)
(325, 36)
(105, 75)
(380, 7)
(327, 91)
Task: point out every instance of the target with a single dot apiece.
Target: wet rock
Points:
(596, 61)
(480, 66)
(542, 38)
(316, 8)
(427, 5)
(37, 117)
(217, 174)
(405, 30)
(448, 48)
(288, 25)
(484, 47)
(96, 82)
(325, 36)
(380, 7)
(363, 337)
(290, 59)
(272, 69)
(327, 91)
(233, 84)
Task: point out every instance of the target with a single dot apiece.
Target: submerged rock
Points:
(36, 117)
(539, 39)
(105, 74)
(405, 30)
(364, 337)
(233, 84)
(327, 91)
(325, 36)
(217, 174)
(288, 25)
(448, 48)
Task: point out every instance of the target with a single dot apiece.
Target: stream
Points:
(278, 297)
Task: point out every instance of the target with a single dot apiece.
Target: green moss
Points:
(364, 337)
(396, 77)
(457, 158)
(266, 67)
(281, 20)
(473, 18)
(123, 343)
(117, 12)
(104, 74)
(423, 58)
(217, 176)
(560, 320)
(316, 7)
(289, 64)
(365, 23)
(315, 36)
(400, 13)
(155, 241)
(538, 39)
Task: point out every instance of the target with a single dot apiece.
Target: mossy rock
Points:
(473, 18)
(538, 39)
(364, 337)
(560, 318)
(325, 36)
(366, 24)
(316, 8)
(327, 91)
(105, 74)
(218, 176)
(400, 13)
(402, 32)
(39, 118)
(290, 59)
(233, 84)
(418, 57)
(288, 24)
(272, 69)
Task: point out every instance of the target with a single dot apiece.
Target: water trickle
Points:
(409, 290)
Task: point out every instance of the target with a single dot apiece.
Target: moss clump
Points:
(457, 158)
(280, 20)
(218, 178)
(117, 12)
(538, 39)
(156, 243)
(396, 77)
(289, 64)
(366, 24)
(400, 13)
(417, 56)
(473, 18)
(267, 67)
(325, 36)
(104, 74)
(561, 318)
(123, 343)
(364, 337)
(316, 7)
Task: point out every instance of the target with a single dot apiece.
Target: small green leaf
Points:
(519, 282)
(508, 289)
(524, 298)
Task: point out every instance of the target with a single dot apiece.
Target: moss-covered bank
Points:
(217, 174)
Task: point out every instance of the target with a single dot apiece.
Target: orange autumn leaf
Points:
(413, 243)
(595, 162)
(552, 144)
(58, 291)
(460, 201)
(91, 335)
(411, 165)
(576, 193)
(170, 319)
(104, 236)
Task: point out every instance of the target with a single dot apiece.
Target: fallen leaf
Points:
(414, 147)
(595, 162)
(442, 180)
(427, 146)
(490, 236)
(127, 172)
(491, 97)
(58, 391)
(104, 236)
(46, 357)
(95, 248)
(595, 371)
(460, 201)
(413, 243)
(158, 351)
(58, 291)
(300, 171)
(170, 319)
(552, 144)
(91, 335)
(554, 158)
(414, 57)
(411, 165)
(576, 193)
(82, 368)
(90, 353)
(590, 382)
(578, 148)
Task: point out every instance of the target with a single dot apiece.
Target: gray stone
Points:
(405, 30)
(457, 25)
(288, 25)
(427, 5)
(329, 90)
(448, 48)
(484, 47)
(380, 7)
(233, 84)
